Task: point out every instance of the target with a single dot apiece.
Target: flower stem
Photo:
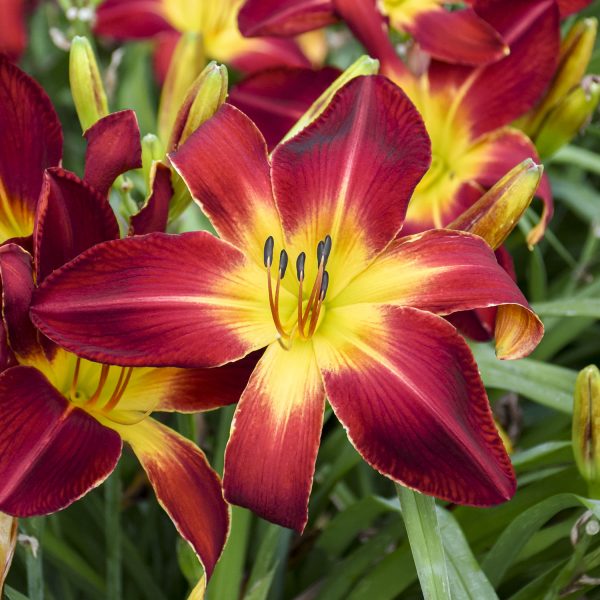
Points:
(112, 518)
(423, 529)
(34, 560)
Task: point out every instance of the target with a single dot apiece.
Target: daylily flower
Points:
(355, 317)
(456, 36)
(165, 20)
(13, 35)
(467, 111)
(55, 406)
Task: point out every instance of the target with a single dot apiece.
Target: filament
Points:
(119, 389)
(103, 375)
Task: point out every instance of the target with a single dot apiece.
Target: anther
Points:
(320, 252)
(324, 285)
(300, 265)
(283, 263)
(326, 249)
(268, 252)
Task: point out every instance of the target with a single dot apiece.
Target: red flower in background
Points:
(13, 34)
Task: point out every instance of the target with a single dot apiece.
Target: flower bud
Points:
(152, 151)
(575, 53)
(365, 65)
(498, 211)
(586, 425)
(568, 117)
(86, 84)
(187, 62)
(202, 100)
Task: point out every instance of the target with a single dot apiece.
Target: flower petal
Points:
(406, 387)
(17, 287)
(114, 147)
(130, 19)
(71, 218)
(270, 457)
(445, 271)
(350, 174)
(31, 141)
(185, 486)
(284, 17)
(186, 300)
(187, 390)
(153, 216)
(51, 453)
(224, 163)
(277, 98)
(568, 7)
(8, 542)
(13, 35)
(459, 36)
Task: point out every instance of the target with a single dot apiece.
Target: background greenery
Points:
(118, 543)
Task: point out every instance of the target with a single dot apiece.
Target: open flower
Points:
(63, 419)
(216, 22)
(13, 34)
(359, 321)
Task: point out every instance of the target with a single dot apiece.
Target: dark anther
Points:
(269, 245)
(324, 285)
(326, 249)
(300, 265)
(320, 250)
(283, 263)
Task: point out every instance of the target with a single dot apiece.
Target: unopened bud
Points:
(586, 426)
(187, 63)
(365, 65)
(204, 97)
(569, 117)
(498, 211)
(86, 84)
(152, 151)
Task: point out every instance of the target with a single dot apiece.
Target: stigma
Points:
(307, 316)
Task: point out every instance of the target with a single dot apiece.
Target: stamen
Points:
(326, 249)
(300, 261)
(119, 389)
(268, 251)
(274, 303)
(283, 263)
(103, 375)
(73, 391)
(324, 286)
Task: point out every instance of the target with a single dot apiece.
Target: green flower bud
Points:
(86, 84)
(586, 426)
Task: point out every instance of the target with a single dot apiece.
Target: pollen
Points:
(307, 316)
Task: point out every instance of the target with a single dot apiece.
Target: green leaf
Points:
(12, 594)
(569, 307)
(424, 534)
(512, 540)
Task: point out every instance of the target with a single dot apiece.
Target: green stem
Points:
(186, 425)
(112, 518)
(424, 536)
(34, 561)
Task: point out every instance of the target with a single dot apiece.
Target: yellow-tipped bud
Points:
(365, 65)
(205, 96)
(187, 63)
(498, 211)
(152, 151)
(568, 117)
(586, 426)
(575, 54)
(86, 84)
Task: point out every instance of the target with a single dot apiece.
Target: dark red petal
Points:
(153, 216)
(270, 457)
(185, 486)
(30, 141)
(284, 17)
(277, 98)
(258, 54)
(225, 165)
(130, 19)
(51, 453)
(568, 7)
(114, 147)
(370, 27)
(457, 36)
(188, 300)
(17, 288)
(350, 174)
(408, 391)
(71, 218)
(13, 35)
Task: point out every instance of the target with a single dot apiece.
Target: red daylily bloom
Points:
(165, 20)
(13, 35)
(75, 407)
(459, 36)
(361, 325)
